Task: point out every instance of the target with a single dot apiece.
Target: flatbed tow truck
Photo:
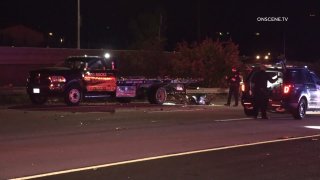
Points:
(84, 77)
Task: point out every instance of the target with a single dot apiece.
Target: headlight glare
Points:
(57, 79)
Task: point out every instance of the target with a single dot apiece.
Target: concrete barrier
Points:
(208, 91)
(16, 62)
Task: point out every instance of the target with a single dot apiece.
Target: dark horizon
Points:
(106, 24)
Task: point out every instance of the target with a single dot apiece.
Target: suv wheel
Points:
(300, 111)
(73, 96)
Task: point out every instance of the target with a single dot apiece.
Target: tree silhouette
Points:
(209, 60)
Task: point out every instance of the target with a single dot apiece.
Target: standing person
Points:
(260, 92)
(234, 84)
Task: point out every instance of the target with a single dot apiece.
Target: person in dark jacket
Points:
(234, 84)
(260, 92)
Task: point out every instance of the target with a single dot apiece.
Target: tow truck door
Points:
(98, 78)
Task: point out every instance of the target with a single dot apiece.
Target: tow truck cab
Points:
(77, 78)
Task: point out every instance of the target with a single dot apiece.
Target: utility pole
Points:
(78, 25)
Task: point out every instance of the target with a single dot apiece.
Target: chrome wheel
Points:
(73, 96)
(302, 108)
(161, 95)
(300, 111)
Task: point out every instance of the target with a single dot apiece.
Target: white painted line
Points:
(313, 112)
(312, 127)
(162, 157)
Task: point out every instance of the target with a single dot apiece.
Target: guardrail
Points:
(208, 91)
(12, 90)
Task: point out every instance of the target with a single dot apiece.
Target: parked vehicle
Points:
(296, 91)
(95, 77)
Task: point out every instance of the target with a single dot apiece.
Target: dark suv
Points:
(296, 91)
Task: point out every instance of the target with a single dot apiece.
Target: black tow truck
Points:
(83, 77)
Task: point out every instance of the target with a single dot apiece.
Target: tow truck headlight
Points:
(179, 87)
(56, 82)
(57, 79)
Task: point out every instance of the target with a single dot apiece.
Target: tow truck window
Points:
(97, 65)
(74, 64)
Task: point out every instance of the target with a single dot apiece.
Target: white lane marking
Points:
(312, 127)
(162, 157)
(313, 112)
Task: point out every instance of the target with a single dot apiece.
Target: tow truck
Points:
(84, 77)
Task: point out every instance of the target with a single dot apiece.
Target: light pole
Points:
(78, 25)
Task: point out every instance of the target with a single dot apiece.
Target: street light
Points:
(107, 55)
(257, 57)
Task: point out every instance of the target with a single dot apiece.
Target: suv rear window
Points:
(271, 73)
(295, 76)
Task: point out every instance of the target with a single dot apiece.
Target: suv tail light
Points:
(287, 88)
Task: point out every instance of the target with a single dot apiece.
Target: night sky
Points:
(105, 23)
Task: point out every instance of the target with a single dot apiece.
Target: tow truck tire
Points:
(157, 95)
(73, 96)
(248, 112)
(38, 99)
(300, 111)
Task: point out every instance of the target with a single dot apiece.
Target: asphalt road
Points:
(38, 140)
(299, 159)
